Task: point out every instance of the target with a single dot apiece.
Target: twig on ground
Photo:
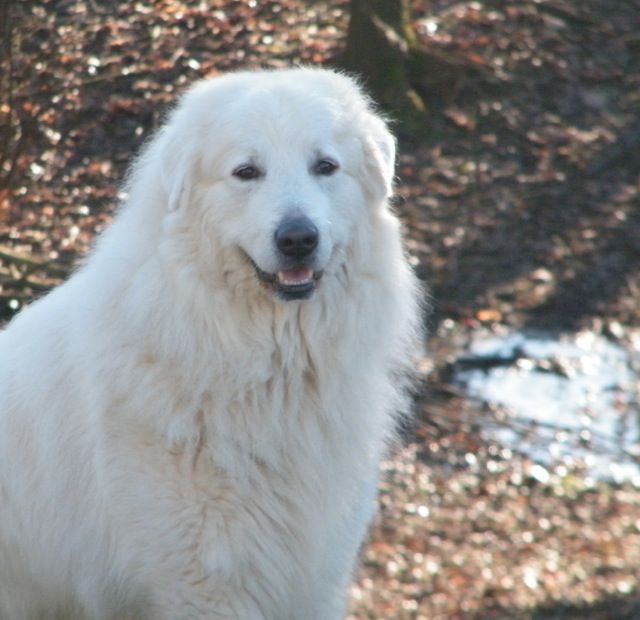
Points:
(49, 267)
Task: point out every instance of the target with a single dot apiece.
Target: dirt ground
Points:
(521, 208)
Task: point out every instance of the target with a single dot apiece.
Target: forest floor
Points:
(521, 205)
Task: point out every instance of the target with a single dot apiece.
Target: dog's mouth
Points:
(297, 282)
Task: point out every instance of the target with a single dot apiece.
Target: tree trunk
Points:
(379, 46)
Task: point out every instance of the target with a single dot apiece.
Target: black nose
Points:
(297, 237)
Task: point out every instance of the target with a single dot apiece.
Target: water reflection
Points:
(569, 397)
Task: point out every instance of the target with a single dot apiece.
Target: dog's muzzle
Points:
(290, 284)
(296, 240)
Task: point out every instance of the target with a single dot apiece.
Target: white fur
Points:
(175, 442)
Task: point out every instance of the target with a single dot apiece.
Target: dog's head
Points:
(281, 168)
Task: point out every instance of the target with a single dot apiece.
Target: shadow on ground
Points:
(609, 608)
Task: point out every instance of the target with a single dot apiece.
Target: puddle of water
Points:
(571, 398)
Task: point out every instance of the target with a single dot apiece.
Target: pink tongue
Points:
(295, 276)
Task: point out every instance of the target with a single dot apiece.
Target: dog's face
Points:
(284, 167)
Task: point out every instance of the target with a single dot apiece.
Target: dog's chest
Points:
(277, 470)
(270, 510)
(269, 472)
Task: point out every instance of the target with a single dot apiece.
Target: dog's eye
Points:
(247, 172)
(325, 167)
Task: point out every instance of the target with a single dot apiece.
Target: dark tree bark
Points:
(10, 130)
(379, 43)
(400, 73)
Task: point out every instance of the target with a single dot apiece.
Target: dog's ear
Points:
(180, 187)
(380, 155)
(176, 164)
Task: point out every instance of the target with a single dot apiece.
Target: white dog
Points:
(190, 427)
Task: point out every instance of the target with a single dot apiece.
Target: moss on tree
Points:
(382, 47)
